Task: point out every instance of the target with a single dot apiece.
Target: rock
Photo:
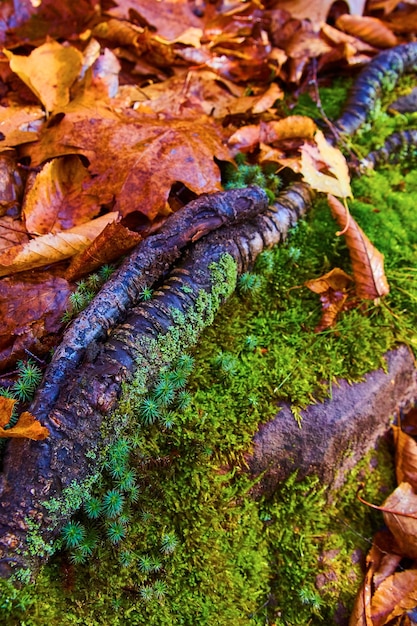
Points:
(337, 433)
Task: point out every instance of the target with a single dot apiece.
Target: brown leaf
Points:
(31, 308)
(325, 168)
(134, 161)
(332, 288)
(12, 233)
(248, 137)
(395, 595)
(19, 125)
(405, 457)
(27, 427)
(403, 527)
(55, 200)
(367, 261)
(52, 248)
(114, 241)
(49, 71)
(370, 29)
(317, 10)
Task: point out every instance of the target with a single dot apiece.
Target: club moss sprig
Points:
(252, 174)
(85, 292)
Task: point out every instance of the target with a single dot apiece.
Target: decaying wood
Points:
(147, 264)
(37, 472)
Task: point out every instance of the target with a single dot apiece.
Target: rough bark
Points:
(36, 472)
(382, 72)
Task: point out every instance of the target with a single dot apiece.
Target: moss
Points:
(192, 546)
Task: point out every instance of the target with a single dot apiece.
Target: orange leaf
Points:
(114, 241)
(52, 248)
(49, 71)
(369, 29)
(55, 201)
(27, 427)
(332, 289)
(405, 457)
(395, 595)
(401, 518)
(134, 161)
(367, 261)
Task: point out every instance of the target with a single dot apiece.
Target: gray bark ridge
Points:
(39, 477)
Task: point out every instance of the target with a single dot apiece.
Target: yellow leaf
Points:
(27, 427)
(325, 168)
(49, 71)
(53, 248)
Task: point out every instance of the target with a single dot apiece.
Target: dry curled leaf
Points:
(49, 71)
(369, 29)
(400, 515)
(395, 595)
(325, 168)
(27, 426)
(332, 288)
(367, 261)
(405, 457)
(52, 248)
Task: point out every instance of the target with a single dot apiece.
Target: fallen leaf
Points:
(370, 29)
(332, 288)
(405, 457)
(112, 243)
(52, 248)
(31, 308)
(49, 71)
(325, 168)
(315, 10)
(395, 595)
(55, 201)
(367, 261)
(19, 125)
(133, 160)
(400, 515)
(27, 426)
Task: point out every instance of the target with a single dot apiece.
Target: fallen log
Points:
(45, 482)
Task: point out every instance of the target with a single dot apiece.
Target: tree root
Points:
(45, 482)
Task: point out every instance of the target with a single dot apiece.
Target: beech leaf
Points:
(49, 71)
(403, 527)
(325, 168)
(367, 261)
(27, 426)
(405, 457)
(52, 248)
(395, 595)
(369, 29)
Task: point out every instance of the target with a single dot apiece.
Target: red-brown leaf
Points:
(367, 261)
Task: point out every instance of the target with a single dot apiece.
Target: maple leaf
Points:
(27, 426)
(367, 261)
(134, 160)
(396, 595)
(325, 168)
(49, 71)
